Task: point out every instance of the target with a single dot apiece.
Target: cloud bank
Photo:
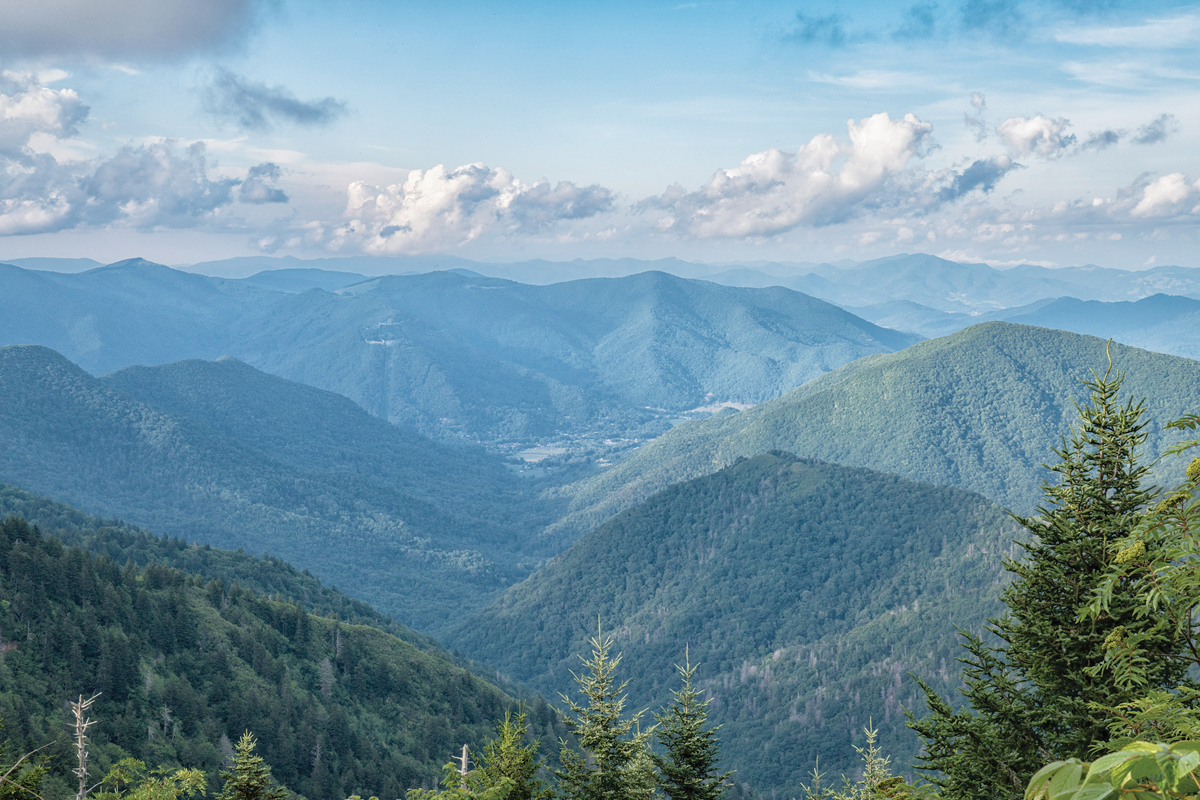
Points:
(129, 29)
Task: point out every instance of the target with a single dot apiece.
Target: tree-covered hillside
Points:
(459, 355)
(121, 542)
(806, 591)
(980, 410)
(185, 665)
(417, 530)
(318, 431)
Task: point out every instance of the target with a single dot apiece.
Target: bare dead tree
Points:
(462, 769)
(82, 723)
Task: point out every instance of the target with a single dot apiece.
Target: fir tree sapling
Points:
(250, 777)
(688, 771)
(614, 762)
(508, 757)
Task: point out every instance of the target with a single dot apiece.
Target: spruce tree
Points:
(1038, 695)
(688, 771)
(250, 777)
(612, 764)
(508, 757)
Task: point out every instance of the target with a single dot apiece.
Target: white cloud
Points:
(1036, 135)
(1161, 33)
(159, 184)
(822, 182)
(1164, 196)
(137, 29)
(32, 109)
(439, 208)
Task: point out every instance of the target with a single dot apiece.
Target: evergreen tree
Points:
(613, 762)
(250, 778)
(1039, 695)
(508, 757)
(689, 769)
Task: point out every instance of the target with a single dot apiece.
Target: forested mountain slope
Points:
(420, 550)
(185, 665)
(121, 542)
(318, 431)
(806, 591)
(459, 355)
(980, 410)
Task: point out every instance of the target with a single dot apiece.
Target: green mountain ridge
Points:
(419, 530)
(980, 410)
(806, 592)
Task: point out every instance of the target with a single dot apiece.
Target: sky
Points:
(1056, 133)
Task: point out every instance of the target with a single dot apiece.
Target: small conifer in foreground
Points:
(689, 769)
(250, 777)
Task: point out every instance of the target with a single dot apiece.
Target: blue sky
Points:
(1057, 133)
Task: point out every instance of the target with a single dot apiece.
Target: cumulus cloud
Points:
(1166, 196)
(256, 106)
(1038, 135)
(821, 183)
(258, 187)
(30, 109)
(130, 29)
(440, 208)
(159, 184)
(154, 185)
(982, 174)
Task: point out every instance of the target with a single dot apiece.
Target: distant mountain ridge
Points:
(948, 286)
(1161, 322)
(980, 409)
(454, 354)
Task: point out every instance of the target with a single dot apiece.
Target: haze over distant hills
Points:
(458, 355)
(947, 286)
(980, 410)
(1161, 322)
